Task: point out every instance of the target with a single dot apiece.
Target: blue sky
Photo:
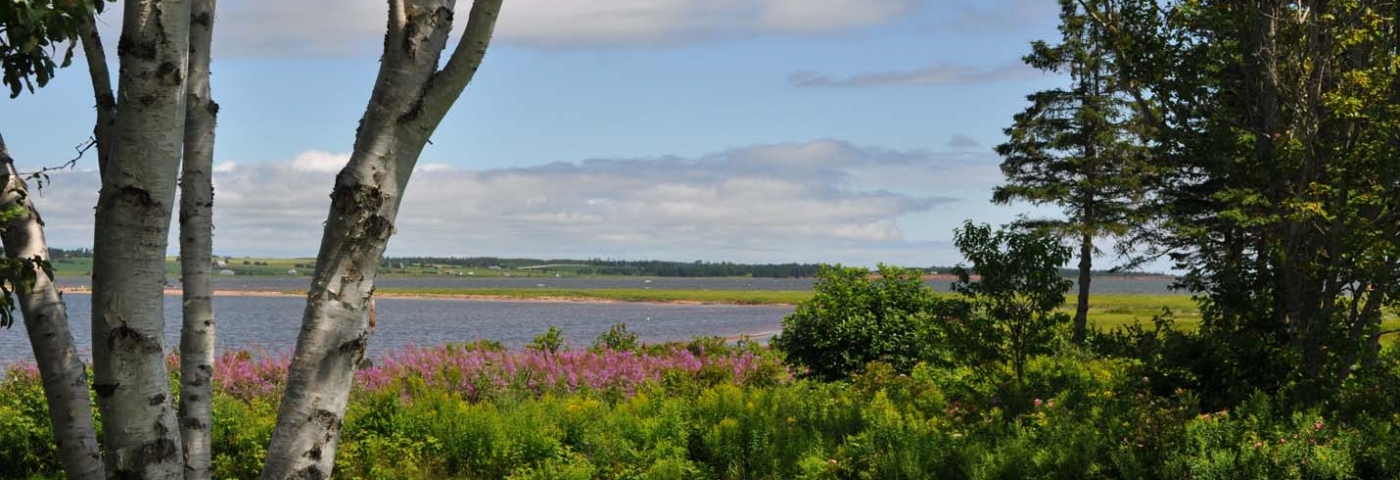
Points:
(857, 131)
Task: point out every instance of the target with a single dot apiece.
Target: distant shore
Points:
(669, 297)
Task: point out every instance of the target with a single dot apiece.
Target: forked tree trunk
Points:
(410, 98)
(197, 250)
(46, 319)
(140, 432)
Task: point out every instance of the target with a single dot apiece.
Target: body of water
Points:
(272, 323)
(1102, 285)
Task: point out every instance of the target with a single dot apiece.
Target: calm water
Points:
(1149, 285)
(272, 323)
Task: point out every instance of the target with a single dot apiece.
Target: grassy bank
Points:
(1108, 310)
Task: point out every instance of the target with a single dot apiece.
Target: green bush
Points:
(1223, 371)
(1015, 295)
(26, 444)
(853, 319)
(550, 341)
(617, 338)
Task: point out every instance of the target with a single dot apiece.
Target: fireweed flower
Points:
(475, 373)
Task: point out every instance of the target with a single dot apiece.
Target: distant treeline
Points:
(62, 254)
(653, 268)
(597, 266)
(1068, 272)
(657, 268)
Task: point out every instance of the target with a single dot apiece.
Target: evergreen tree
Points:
(1282, 204)
(1076, 148)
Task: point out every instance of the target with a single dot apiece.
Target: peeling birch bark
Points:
(96, 57)
(139, 429)
(197, 250)
(46, 319)
(410, 98)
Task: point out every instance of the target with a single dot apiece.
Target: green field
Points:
(82, 266)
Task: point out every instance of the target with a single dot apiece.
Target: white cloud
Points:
(432, 167)
(937, 74)
(998, 17)
(316, 27)
(963, 142)
(318, 161)
(571, 22)
(818, 201)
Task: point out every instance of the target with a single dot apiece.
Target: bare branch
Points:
(397, 19)
(448, 83)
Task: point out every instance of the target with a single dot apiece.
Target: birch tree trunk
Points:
(130, 238)
(46, 319)
(96, 57)
(197, 250)
(410, 98)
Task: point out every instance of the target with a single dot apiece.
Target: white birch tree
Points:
(140, 432)
(164, 110)
(411, 95)
(197, 249)
(46, 320)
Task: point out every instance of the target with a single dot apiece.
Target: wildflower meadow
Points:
(707, 409)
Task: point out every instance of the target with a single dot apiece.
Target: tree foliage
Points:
(1278, 126)
(31, 35)
(855, 318)
(1014, 295)
(1078, 147)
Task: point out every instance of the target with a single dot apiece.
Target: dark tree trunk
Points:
(1081, 310)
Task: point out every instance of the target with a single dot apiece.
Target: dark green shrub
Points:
(550, 341)
(1224, 371)
(1015, 297)
(479, 344)
(617, 338)
(854, 318)
(26, 436)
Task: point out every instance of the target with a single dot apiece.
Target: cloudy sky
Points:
(856, 131)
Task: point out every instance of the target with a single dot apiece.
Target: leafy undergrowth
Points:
(706, 410)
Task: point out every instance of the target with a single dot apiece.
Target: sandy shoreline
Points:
(479, 298)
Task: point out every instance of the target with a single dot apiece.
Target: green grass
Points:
(1112, 311)
(82, 267)
(72, 267)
